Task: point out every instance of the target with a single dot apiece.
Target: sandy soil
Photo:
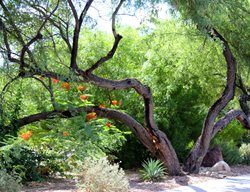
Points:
(136, 185)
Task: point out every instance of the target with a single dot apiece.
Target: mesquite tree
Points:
(29, 28)
(51, 21)
(220, 21)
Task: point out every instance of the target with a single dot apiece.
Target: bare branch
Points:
(64, 36)
(231, 115)
(114, 16)
(241, 85)
(7, 85)
(16, 30)
(115, 44)
(34, 39)
(84, 12)
(78, 24)
(107, 57)
(73, 9)
(243, 104)
(49, 89)
(6, 42)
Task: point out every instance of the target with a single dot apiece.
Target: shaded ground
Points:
(52, 185)
(136, 185)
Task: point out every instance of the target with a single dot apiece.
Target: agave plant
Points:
(153, 170)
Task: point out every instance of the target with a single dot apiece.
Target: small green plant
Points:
(245, 153)
(98, 175)
(153, 170)
(8, 182)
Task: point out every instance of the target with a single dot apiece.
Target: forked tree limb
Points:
(228, 117)
(201, 146)
(78, 25)
(117, 38)
(37, 37)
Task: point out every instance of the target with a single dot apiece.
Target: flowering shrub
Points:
(114, 102)
(83, 97)
(65, 133)
(81, 88)
(102, 106)
(55, 80)
(26, 136)
(91, 116)
(66, 86)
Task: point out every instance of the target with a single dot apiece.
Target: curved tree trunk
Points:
(149, 135)
(201, 146)
(156, 142)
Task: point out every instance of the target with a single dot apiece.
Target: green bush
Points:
(100, 176)
(230, 151)
(153, 170)
(245, 153)
(8, 182)
(16, 156)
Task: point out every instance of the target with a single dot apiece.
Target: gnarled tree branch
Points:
(117, 37)
(78, 24)
(200, 148)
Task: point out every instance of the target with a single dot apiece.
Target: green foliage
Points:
(230, 152)
(230, 139)
(245, 153)
(9, 182)
(131, 153)
(16, 156)
(93, 138)
(98, 175)
(153, 170)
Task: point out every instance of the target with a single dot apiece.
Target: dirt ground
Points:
(136, 185)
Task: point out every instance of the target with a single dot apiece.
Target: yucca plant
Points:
(153, 170)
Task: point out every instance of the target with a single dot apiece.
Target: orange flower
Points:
(91, 115)
(65, 133)
(83, 97)
(114, 102)
(108, 124)
(55, 80)
(66, 86)
(81, 88)
(102, 106)
(26, 135)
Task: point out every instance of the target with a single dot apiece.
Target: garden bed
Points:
(136, 185)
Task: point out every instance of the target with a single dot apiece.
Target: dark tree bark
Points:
(201, 146)
(149, 134)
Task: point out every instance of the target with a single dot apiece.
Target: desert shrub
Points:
(9, 182)
(98, 175)
(245, 153)
(153, 170)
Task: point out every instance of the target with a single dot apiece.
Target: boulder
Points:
(221, 167)
(213, 156)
